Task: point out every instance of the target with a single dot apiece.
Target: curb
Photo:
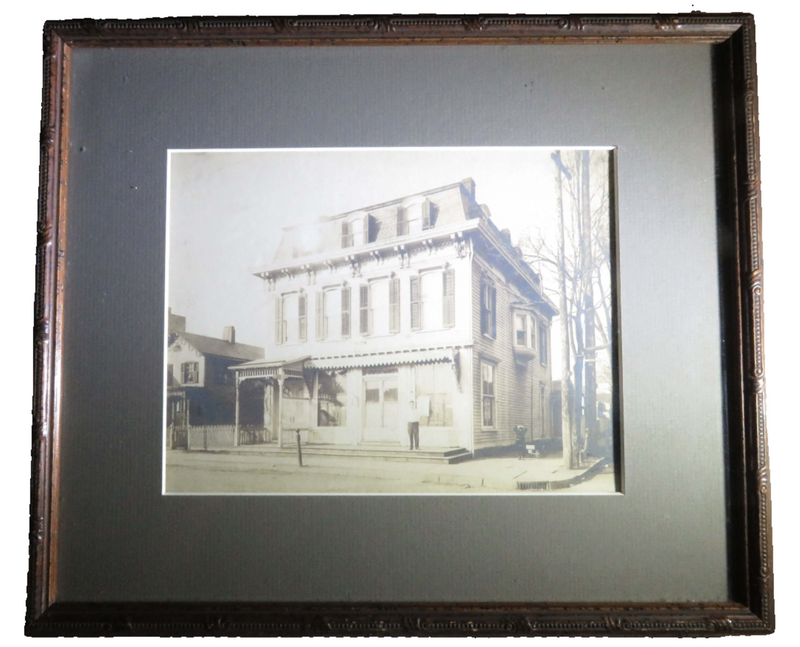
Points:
(598, 467)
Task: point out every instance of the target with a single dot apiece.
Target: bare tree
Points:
(579, 260)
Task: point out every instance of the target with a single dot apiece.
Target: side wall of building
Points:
(521, 389)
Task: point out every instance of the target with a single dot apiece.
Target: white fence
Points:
(215, 436)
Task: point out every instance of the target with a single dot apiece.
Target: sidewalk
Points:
(503, 473)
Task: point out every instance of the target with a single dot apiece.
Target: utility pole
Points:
(588, 305)
(567, 435)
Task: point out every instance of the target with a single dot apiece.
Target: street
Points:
(219, 473)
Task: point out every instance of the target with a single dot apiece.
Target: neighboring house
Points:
(200, 384)
(416, 309)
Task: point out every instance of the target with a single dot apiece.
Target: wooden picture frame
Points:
(749, 609)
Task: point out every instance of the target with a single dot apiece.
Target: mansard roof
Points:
(456, 215)
(453, 204)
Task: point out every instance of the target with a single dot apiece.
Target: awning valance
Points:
(426, 356)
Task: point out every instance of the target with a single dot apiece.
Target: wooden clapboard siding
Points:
(516, 402)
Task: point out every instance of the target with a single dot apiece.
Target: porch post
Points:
(236, 419)
(266, 409)
(277, 413)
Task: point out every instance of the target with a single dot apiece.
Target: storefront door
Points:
(380, 410)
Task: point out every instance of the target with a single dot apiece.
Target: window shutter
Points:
(493, 311)
(364, 309)
(484, 308)
(369, 232)
(402, 228)
(347, 238)
(345, 312)
(319, 315)
(278, 319)
(427, 215)
(394, 305)
(416, 324)
(302, 318)
(449, 300)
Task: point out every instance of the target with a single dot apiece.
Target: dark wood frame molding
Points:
(751, 608)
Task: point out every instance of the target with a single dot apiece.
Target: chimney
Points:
(469, 184)
(506, 234)
(176, 322)
(229, 334)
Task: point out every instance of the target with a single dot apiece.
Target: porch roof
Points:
(264, 367)
(421, 356)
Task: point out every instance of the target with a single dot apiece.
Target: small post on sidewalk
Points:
(299, 450)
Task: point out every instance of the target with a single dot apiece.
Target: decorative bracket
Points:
(355, 266)
(459, 243)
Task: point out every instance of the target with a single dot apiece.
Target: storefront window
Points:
(332, 396)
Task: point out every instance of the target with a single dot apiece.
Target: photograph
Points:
(427, 320)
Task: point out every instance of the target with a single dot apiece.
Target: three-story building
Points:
(414, 310)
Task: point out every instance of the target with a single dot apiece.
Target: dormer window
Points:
(428, 215)
(347, 234)
(401, 218)
(370, 229)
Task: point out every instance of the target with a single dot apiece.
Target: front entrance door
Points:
(380, 410)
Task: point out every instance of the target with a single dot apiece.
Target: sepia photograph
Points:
(391, 321)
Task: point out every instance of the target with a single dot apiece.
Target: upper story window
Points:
(433, 300)
(291, 318)
(379, 307)
(525, 330)
(333, 313)
(521, 329)
(488, 308)
(190, 371)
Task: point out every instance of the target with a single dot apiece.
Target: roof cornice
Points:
(366, 251)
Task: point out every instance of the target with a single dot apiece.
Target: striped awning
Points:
(426, 356)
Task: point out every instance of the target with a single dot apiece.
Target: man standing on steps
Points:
(413, 422)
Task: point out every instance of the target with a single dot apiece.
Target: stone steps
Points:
(445, 456)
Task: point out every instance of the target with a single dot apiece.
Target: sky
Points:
(226, 210)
